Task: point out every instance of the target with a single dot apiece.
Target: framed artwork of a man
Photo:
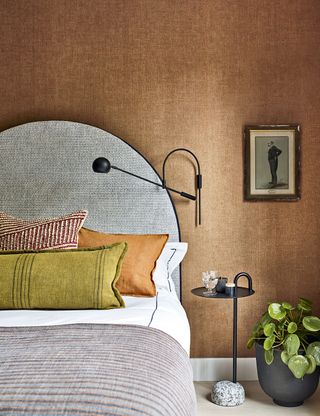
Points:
(272, 163)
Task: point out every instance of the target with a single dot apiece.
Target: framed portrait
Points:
(272, 163)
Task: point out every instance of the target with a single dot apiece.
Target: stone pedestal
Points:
(226, 393)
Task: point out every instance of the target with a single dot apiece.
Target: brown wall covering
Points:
(168, 73)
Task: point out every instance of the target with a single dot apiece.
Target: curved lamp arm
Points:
(198, 179)
(103, 165)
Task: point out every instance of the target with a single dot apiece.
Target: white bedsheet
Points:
(163, 312)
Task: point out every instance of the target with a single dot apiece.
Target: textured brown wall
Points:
(168, 73)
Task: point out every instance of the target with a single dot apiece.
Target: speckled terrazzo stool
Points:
(226, 393)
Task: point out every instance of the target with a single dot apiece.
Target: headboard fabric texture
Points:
(46, 170)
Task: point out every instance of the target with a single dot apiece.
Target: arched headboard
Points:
(46, 170)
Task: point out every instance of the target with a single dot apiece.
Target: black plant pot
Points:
(280, 384)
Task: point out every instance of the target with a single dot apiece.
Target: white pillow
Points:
(169, 259)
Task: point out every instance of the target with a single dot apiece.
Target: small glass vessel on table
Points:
(210, 280)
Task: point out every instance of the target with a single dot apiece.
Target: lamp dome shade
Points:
(101, 165)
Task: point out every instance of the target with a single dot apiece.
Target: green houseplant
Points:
(287, 339)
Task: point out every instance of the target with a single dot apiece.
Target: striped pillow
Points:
(40, 234)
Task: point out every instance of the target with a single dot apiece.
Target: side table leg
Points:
(227, 393)
(234, 338)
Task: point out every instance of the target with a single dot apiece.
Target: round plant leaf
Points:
(265, 319)
(276, 311)
(312, 364)
(292, 328)
(305, 301)
(268, 356)
(292, 344)
(298, 365)
(304, 305)
(314, 350)
(304, 308)
(256, 327)
(268, 342)
(287, 305)
(311, 323)
(268, 330)
(285, 357)
(257, 330)
(250, 342)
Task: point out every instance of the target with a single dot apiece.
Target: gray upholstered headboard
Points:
(46, 170)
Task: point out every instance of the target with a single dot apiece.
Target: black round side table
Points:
(240, 292)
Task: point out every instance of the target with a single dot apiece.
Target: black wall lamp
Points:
(198, 178)
(103, 165)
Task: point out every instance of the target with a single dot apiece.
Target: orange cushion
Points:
(139, 262)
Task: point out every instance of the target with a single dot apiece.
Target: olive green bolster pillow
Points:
(62, 279)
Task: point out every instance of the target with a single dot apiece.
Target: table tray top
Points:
(242, 292)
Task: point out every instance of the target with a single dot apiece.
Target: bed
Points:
(126, 361)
